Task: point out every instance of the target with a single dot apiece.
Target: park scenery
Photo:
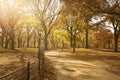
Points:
(59, 39)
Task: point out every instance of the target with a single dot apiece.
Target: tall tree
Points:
(8, 18)
(73, 27)
(46, 11)
(104, 8)
(103, 37)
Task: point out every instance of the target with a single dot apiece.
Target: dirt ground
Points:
(85, 64)
(78, 68)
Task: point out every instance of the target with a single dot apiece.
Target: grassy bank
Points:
(11, 60)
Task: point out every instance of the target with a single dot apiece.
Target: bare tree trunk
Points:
(27, 43)
(19, 39)
(74, 45)
(62, 45)
(18, 42)
(2, 41)
(52, 42)
(23, 45)
(13, 41)
(71, 42)
(46, 42)
(115, 42)
(86, 38)
(6, 42)
(83, 43)
(28, 40)
(34, 40)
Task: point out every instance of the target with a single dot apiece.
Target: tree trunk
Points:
(6, 42)
(86, 38)
(12, 41)
(23, 45)
(34, 40)
(74, 45)
(2, 41)
(18, 42)
(115, 42)
(28, 42)
(28, 39)
(71, 42)
(83, 43)
(39, 42)
(62, 45)
(46, 42)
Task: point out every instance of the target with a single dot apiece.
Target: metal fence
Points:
(26, 72)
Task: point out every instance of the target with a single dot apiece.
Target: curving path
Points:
(72, 69)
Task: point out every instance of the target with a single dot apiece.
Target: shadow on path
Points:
(72, 69)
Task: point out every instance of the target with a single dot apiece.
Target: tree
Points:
(111, 11)
(73, 27)
(104, 8)
(77, 7)
(116, 27)
(46, 12)
(8, 19)
(103, 37)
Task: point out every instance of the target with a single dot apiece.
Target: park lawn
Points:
(107, 59)
(11, 60)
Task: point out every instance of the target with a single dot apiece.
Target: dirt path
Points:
(71, 69)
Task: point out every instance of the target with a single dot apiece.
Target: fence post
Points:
(28, 71)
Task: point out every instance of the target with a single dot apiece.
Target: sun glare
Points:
(11, 2)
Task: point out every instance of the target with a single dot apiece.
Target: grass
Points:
(109, 60)
(14, 59)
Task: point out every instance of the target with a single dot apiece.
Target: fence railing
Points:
(24, 73)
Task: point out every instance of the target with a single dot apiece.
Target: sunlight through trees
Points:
(21, 21)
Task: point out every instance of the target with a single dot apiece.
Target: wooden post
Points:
(28, 71)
